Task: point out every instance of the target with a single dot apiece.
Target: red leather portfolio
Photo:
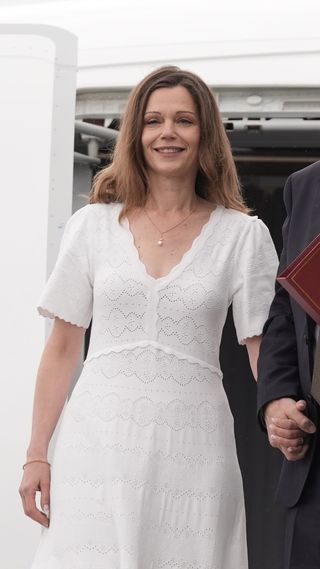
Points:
(302, 279)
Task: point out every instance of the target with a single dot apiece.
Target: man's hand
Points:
(288, 427)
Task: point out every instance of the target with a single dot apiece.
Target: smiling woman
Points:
(127, 179)
(171, 134)
(145, 473)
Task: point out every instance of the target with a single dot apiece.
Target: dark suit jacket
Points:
(286, 357)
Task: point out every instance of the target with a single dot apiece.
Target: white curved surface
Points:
(229, 43)
(37, 68)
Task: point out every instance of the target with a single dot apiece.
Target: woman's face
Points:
(171, 133)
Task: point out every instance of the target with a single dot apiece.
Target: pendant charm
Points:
(160, 242)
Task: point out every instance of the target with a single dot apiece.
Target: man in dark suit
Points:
(286, 407)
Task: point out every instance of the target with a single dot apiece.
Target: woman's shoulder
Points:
(239, 218)
(94, 211)
(245, 226)
(251, 240)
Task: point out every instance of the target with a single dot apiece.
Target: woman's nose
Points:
(168, 130)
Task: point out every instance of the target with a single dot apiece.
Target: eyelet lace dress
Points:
(145, 472)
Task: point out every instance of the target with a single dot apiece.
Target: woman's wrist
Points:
(37, 452)
(35, 461)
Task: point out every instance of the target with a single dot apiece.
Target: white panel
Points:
(229, 43)
(37, 69)
(264, 70)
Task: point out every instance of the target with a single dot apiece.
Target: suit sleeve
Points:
(278, 372)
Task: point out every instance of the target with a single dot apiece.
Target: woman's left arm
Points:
(253, 347)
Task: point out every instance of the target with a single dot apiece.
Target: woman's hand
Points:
(36, 478)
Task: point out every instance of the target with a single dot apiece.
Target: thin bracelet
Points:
(32, 461)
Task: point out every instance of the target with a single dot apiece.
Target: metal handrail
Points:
(94, 130)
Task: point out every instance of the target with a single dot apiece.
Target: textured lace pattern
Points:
(145, 473)
(150, 364)
(143, 411)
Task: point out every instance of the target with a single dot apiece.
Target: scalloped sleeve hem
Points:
(67, 318)
(256, 330)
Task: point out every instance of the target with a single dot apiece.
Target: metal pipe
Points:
(85, 159)
(94, 130)
(298, 159)
(93, 147)
(284, 125)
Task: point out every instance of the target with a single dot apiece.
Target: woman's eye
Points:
(184, 120)
(152, 121)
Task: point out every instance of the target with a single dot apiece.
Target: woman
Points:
(145, 473)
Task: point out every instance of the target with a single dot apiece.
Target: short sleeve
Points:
(255, 269)
(68, 292)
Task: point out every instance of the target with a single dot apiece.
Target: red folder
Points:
(302, 279)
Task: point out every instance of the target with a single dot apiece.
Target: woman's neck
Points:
(167, 194)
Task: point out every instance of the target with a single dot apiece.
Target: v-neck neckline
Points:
(213, 217)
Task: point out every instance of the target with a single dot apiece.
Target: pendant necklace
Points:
(162, 233)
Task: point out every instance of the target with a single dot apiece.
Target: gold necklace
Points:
(161, 240)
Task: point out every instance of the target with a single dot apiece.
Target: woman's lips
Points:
(169, 150)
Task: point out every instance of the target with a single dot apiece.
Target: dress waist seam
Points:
(150, 343)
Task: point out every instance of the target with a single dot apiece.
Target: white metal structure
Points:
(37, 102)
(229, 43)
(261, 61)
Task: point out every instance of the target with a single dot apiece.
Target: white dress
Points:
(145, 472)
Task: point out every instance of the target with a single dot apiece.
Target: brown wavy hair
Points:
(125, 180)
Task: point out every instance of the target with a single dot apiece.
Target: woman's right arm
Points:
(56, 371)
